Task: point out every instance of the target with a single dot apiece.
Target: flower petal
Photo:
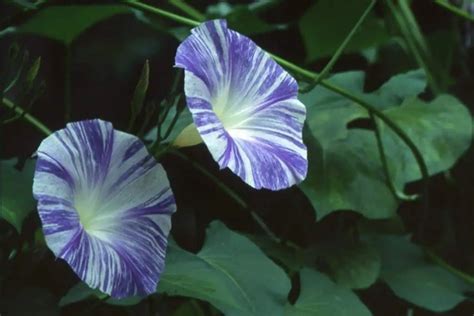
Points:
(244, 106)
(105, 205)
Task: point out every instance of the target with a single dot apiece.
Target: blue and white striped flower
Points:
(244, 106)
(105, 205)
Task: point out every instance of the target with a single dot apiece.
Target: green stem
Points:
(18, 73)
(166, 14)
(453, 9)
(28, 117)
(325, 72)
(371, 108)
(414, 39)
(168, 105)
(383, 158)
(145, 123)
(22, 16)
(394, 126)
(313, 76)
(41, 127)
(188, 9)
(209, 175)
(156, 145)
(440, 261)
(173, 122)
(309, 75)
(229, 192)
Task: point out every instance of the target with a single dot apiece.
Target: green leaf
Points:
(347, 175)
(324, 106)
(322, 297)
(415, 42)
(401, 86)
(354, 265)
(129, 301)
(140, 90)
(16, 197)
(345, 170)
(393, 225)
(219, 9)
(443, 44)
(242, 18)
(32, 73)
(179, 32)
(247, 22)
(329, 112)
(184, 120)
(291, 258)
(66, 23)
(82, 291)
(408, 273)
(79, 292)
(230, 272)
(24, 4)
(325, 25)
(441, 129)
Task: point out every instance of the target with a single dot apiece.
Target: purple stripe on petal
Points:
(210, 130)
(244, 106)
(138, 169)
(50, 165)
(105, 205)
(64, 221)
(133, 149)
(198, 104)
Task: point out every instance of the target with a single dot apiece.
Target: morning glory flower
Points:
(244, 106)
(105, 205)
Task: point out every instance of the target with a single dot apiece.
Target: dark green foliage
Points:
(230, 272)
(337, 183)
(15, 192)
(66, 23)
(411, 275)
(320, 296)
(325, 25)
(355, 238)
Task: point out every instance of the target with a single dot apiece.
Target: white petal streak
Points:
(244, 106)
(105, 205)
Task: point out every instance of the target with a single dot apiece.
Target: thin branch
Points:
(453, 9)
(328, 85)
(28, 117)
(151, 9)
(372, 109)
(188, 9)
(383, 158)
(313, 76)
(441, 262)
(325, 72)
(231, 193)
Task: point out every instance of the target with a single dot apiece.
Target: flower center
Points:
(86, 208)
(227, 112)
(218, 105)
